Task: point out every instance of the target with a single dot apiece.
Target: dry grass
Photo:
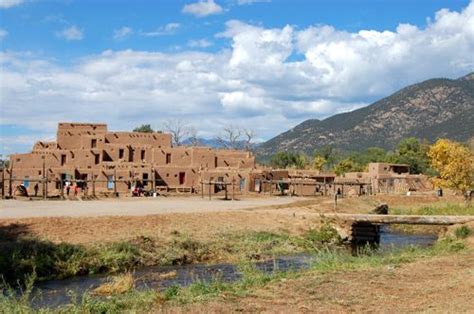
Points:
(168, 275)
(116, 285)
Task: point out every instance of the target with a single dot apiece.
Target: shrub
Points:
(462, 232)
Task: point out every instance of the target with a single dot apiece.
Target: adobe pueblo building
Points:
(90, 157)
(90, 160)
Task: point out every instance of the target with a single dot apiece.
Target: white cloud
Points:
(3, 33)
(255, 83)
(199, 43)
(203, 8)
(71, 33)
(5, 4)
(168, 29)
(123, 32)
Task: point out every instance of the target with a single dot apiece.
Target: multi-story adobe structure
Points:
(86, 154)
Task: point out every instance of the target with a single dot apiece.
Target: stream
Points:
(55, 293)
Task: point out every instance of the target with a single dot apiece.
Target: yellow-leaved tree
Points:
(454, 164)
(318, 163)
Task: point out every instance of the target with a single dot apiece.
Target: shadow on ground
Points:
(22, 254)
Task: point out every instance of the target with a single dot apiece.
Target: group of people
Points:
(75, 188)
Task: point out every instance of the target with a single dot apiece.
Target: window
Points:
(63, 159)
(215, 162)
(168, 158)
(96, 159)
(121, 152)
(106, 156)
(182, 178)
(94, 143)
(142, 155)
(110, 182)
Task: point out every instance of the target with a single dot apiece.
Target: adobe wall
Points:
(139, 138)
(79, 135)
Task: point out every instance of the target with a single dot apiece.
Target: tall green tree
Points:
(330, 154)
(345, 165)
(289, 160)
(412, 152)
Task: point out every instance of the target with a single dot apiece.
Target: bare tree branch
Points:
(249, 136)
(193, 136)
(177, 129)
(230, 137)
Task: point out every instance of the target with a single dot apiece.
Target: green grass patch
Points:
(437, 209)
(462, 232)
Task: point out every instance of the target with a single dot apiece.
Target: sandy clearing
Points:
(14, 209)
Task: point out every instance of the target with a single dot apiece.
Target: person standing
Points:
(68, 187)
(36, 188)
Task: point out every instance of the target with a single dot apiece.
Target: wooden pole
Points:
(153, 180)
(93, 185)
(233, 188)
(46, 184)
(3, 182)
(202, 189)
(10, 183)
(115, 182)
(225, 185)
(44, 178)
(209, 190)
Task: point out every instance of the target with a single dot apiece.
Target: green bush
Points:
(462, 232)
(326, 235)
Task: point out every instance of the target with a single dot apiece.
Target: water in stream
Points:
(55, 293)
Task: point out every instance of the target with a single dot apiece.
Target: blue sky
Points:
(265, 65)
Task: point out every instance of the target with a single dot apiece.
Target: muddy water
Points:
(58, 292)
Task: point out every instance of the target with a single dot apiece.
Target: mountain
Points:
(429, 110)
(214, 143)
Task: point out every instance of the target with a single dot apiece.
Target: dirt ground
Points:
(289, 214)
(435, 285)
(128, 206)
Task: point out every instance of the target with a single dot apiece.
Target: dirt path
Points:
(435, 285)
(129, 207)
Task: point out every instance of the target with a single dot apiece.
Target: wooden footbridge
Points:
(365, 228)
(401, 219)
